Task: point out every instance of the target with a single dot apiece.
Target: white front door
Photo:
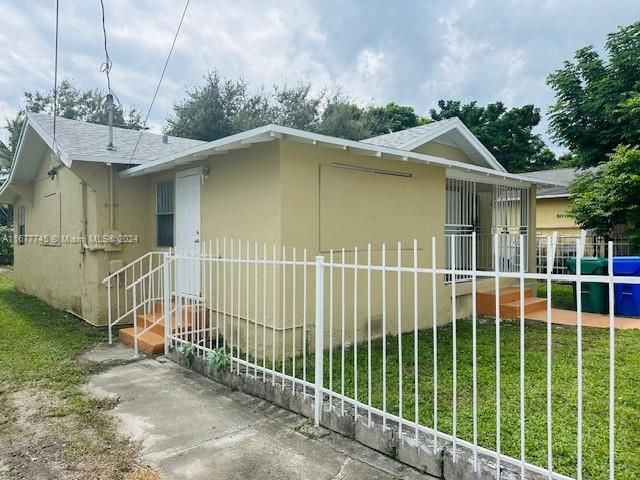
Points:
(188, 232)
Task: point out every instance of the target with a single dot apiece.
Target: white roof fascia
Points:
(455, 123)
(64, 158)
(556, 195)
(201, 149)
(322, 140)
(16, 155)
(488, 179)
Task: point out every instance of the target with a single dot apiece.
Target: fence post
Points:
(109, 310)
(166, 308)
(135, 321)
(319, 339)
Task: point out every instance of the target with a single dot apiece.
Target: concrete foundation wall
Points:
(441, 462)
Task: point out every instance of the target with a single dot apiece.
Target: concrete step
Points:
(531, 305)
(189, 319)
(149, 342)
(148, 319)
(486, 301)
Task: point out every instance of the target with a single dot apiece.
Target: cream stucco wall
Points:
(553, 215)
(76, 204)
(444, 151)
(57, 274)
(327, 207)
(278, 193)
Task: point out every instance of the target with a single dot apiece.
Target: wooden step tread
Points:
(149, 342)
(527, 301)
(507, 291)
(531, 305)
(486, 300)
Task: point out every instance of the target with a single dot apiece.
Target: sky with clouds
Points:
(410, 52)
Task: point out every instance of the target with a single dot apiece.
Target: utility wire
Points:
(106, 66)
(164, 69)
(55, 77)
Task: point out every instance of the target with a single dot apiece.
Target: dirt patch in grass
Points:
(144, 473)
(49, 428)
(38, 443)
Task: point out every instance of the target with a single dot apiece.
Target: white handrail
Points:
(128, 265)
(145, 276)
(128, 273)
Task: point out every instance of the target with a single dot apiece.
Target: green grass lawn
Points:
(561, 294)
(595, 388)
(39, 344)
(43, 412)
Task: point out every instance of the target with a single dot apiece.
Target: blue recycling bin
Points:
(627, 296)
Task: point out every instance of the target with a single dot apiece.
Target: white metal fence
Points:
(592, 245)
(374, 333)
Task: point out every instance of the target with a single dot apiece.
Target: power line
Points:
(164, 69)
(106, 66)
(55, 77)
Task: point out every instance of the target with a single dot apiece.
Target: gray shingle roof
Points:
(88, 141)
(565, 175)
(404, 137)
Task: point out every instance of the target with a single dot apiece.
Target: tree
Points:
(14, 127)
(86, 105)
(596, 98)
(391, 118)
(296, 107)
(222, 107)
(344, 119)
(507, 133)
(609, 196)
(208, 112)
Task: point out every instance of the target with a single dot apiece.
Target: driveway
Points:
(191, 427)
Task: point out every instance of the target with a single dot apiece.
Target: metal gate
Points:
(486, 210)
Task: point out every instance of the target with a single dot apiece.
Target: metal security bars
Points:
(373, 333)
(485, 209)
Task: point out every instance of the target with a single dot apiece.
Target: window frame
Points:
(21, 225)
(170, 213)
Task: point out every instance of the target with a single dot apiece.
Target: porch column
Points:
(531, 229)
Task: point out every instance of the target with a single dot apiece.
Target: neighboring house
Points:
(271, 184)
(553, 202)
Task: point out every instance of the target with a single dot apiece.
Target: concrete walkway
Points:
(191, 427)
(596, 320)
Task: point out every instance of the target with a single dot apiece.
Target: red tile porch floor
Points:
(597, 320)
(536, 309)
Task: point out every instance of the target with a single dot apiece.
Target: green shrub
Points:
(219, 360)
(6, 246)
(189, 352)
(561, 295)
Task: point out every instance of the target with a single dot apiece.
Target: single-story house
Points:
(553, 202)
(272, 184)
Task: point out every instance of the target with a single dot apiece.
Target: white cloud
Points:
(464, 49)
(370, 63)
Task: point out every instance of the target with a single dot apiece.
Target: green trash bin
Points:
(595, 296)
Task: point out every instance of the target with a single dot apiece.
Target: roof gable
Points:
(450, 132)
(84, 141)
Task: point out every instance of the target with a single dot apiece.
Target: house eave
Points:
(248, 138)
(556, 195)
(456, 124)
